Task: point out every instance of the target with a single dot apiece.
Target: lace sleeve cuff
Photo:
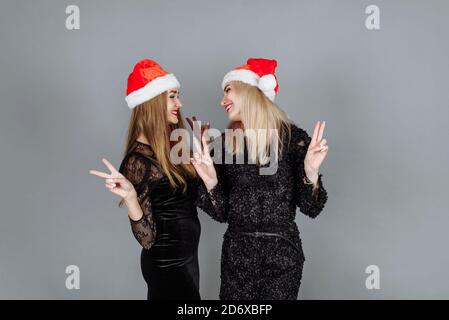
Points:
(144, 231)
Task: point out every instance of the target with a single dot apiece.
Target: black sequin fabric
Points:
(253, 265)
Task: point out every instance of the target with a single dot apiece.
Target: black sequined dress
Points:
(262, 256)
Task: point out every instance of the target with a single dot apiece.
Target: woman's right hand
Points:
(117, 183)
(202, 161)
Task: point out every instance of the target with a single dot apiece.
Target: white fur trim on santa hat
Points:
(152, 89)
(244, 75)
(266, 84)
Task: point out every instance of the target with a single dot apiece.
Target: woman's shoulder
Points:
(143, 149)
(296, 130)
(140, 151)
(137, 162)
(297, 137)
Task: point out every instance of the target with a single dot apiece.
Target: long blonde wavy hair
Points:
(257, 111)
(150, 120)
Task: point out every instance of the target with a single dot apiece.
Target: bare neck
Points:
(141, 138)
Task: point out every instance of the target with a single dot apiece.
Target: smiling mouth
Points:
(174, 112)
(228, 107)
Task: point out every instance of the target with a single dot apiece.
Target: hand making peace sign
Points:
(317, 150)
(116, 182)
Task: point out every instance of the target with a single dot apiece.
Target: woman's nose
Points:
(223, 102)
(179, 104)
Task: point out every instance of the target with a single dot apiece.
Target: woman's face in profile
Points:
(230, 102)
(173, 106)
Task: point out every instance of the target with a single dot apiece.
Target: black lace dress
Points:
(169, 230)
(262, 256)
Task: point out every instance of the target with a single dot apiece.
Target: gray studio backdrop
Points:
(383, 94)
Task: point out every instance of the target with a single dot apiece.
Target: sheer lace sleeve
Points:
(138, 170)
(215, 201)
(309, 199)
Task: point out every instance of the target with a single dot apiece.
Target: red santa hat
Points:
(147, 80)
(256, 72)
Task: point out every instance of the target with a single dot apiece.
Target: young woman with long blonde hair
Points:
(262, 256)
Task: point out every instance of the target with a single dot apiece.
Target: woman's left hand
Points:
(316, 152)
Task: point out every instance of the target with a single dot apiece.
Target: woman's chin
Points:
(173, 120)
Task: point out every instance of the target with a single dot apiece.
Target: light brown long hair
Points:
(258, 112)
(150, 120)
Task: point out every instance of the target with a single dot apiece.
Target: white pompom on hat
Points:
(257, 72)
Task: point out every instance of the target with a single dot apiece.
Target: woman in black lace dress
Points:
(160, 195)
(262, 256)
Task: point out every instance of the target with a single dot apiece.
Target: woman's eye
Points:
(227, 90)
(172, 97)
